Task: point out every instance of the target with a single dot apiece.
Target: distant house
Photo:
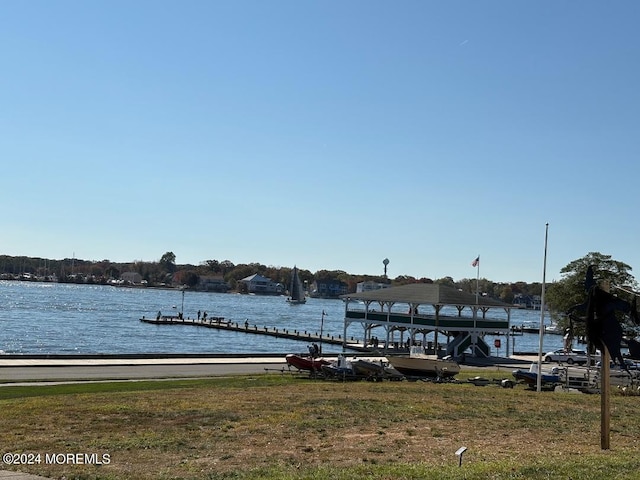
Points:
(370, 286)
(532, 302)
(329, 288)
(261, 285)
(131, 277)
(212, 284)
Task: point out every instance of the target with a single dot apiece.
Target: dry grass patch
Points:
(278, 427)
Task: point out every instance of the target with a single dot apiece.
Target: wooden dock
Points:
(219, 323)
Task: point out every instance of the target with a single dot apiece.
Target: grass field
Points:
(283, 427)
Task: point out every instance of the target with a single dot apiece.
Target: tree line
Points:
(166, 272)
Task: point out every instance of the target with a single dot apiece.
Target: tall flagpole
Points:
(541, 335)
(476, 263)
(478, 281)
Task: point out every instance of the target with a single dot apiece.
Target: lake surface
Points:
(56, 318)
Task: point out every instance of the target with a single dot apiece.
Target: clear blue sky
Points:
(325, 134)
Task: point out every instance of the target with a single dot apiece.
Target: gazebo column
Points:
(388, 339)
(508, 311)
(435, 333)
(346, 324)
(366, 327)
(365, 324)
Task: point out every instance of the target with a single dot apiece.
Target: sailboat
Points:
(296, 291)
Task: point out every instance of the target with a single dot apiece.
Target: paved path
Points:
(26, 371)
(62, 370)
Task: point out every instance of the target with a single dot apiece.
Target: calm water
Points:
(52, 318)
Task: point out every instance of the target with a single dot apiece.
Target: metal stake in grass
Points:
(459, 453)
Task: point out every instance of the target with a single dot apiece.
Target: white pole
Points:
(321, 328)
(541, 335)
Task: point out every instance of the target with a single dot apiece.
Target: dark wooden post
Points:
(605, 413)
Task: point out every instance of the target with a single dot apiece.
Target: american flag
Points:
(476, 262)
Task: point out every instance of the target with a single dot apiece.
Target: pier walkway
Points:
(220, 323)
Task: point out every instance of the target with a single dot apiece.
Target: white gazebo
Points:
(429, 309)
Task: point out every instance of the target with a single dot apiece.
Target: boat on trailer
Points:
(530, 376)
(305, 362)
(375, 370)
(419, 364)
(342, 369)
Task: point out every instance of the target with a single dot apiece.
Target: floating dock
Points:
(219, 323)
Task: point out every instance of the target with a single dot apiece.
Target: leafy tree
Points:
(213, 265)
(305, 276)
(570, 289)
(238, 273)
(226, 266)
(403, 280)
(168, 262)
(446, 281)
(186, 277)
(506, 295)
(112, 272)
(326, 275)
(534, 288)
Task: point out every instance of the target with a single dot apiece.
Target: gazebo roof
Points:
(426, 294)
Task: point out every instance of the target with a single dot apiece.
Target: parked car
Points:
(570, 356)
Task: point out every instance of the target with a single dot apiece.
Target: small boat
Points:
(340, 370)
(374, 370)
(305, 363)
(554, 329)
(530, 327)
(530, 377)
(418, 364)
(367, 368)
(296, 290)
